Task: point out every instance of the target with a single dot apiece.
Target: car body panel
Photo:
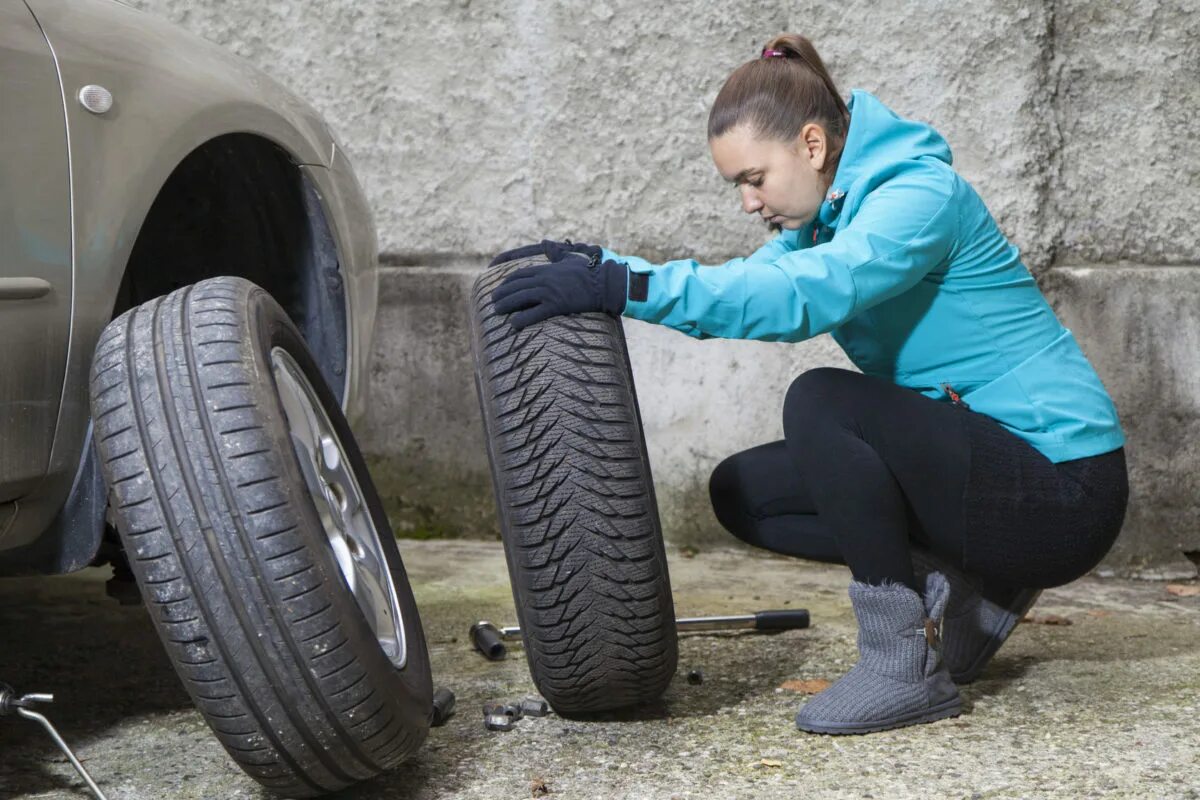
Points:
(35, 246)
(172, 93)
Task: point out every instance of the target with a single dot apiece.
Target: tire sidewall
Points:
(412, 685)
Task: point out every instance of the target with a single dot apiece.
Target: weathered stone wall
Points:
(476, 125)
(1128, 178)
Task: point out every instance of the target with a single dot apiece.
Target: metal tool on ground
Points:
(489, 639)
(13, 703)
(443, 706)
(498, 722)
(503, 716)
(534, 707)
(514, 711)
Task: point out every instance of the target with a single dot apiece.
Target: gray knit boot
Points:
(978, 619)
(899, 678)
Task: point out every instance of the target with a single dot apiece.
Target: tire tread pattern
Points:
(577, 508)
(193, 446)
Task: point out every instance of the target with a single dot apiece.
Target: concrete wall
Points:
(476, 125)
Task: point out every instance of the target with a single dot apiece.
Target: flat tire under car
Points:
(258, 540)
(576, 505)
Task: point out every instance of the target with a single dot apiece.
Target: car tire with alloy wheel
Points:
(258, 540)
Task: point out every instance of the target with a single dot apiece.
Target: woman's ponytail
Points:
(779, 93)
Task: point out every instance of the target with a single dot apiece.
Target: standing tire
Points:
(576, 505)
(258, 540)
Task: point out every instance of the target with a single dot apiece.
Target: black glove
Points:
(572, 285)
(555, 251)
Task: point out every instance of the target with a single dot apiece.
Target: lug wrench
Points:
(11, 702)
(489, 639)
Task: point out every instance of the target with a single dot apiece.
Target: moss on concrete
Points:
(430, 501)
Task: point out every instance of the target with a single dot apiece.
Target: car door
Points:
(35, 251)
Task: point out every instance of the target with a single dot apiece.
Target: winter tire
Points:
(576, 505)
(257, 539)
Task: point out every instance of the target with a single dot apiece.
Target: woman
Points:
(977, 457)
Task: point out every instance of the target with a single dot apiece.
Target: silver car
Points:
(187, 297)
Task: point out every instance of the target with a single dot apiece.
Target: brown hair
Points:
(779, 95)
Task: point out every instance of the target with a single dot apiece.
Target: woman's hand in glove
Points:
(574, 284)
(552, 250)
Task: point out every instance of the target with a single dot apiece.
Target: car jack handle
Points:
(12, 703)
(489, 639)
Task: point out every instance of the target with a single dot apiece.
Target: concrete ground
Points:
(1105, 706)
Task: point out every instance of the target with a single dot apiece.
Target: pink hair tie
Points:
(773, 53)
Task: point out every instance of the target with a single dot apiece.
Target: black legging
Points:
(866, 464)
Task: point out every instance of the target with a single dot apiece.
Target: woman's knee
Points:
(816, 398)
(816, 387)
(728, 497)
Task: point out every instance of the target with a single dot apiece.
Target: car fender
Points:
(120, 160)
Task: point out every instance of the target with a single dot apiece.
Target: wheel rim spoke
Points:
(344, 515)
(371, 592)
(337, 475)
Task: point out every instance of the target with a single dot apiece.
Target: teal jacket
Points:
(906, 269)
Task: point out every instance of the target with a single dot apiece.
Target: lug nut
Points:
(498, 722)
(534, 707)
(443, 706)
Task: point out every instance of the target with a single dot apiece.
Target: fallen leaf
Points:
(1046, 619)
(538, 788)
(770, 762)
(1184, 589)
(806, 687)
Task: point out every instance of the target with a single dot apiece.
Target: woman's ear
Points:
(812, 144)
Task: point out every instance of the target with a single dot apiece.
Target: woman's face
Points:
(778, 180)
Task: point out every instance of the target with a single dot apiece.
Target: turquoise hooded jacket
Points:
(906, 269)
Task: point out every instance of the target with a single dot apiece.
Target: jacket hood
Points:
(878, 139)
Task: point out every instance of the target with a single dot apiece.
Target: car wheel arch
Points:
(286, 244)
(240, 205)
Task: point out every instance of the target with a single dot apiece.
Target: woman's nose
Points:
(751, 202)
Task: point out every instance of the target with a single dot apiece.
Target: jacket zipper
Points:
(955, 398)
